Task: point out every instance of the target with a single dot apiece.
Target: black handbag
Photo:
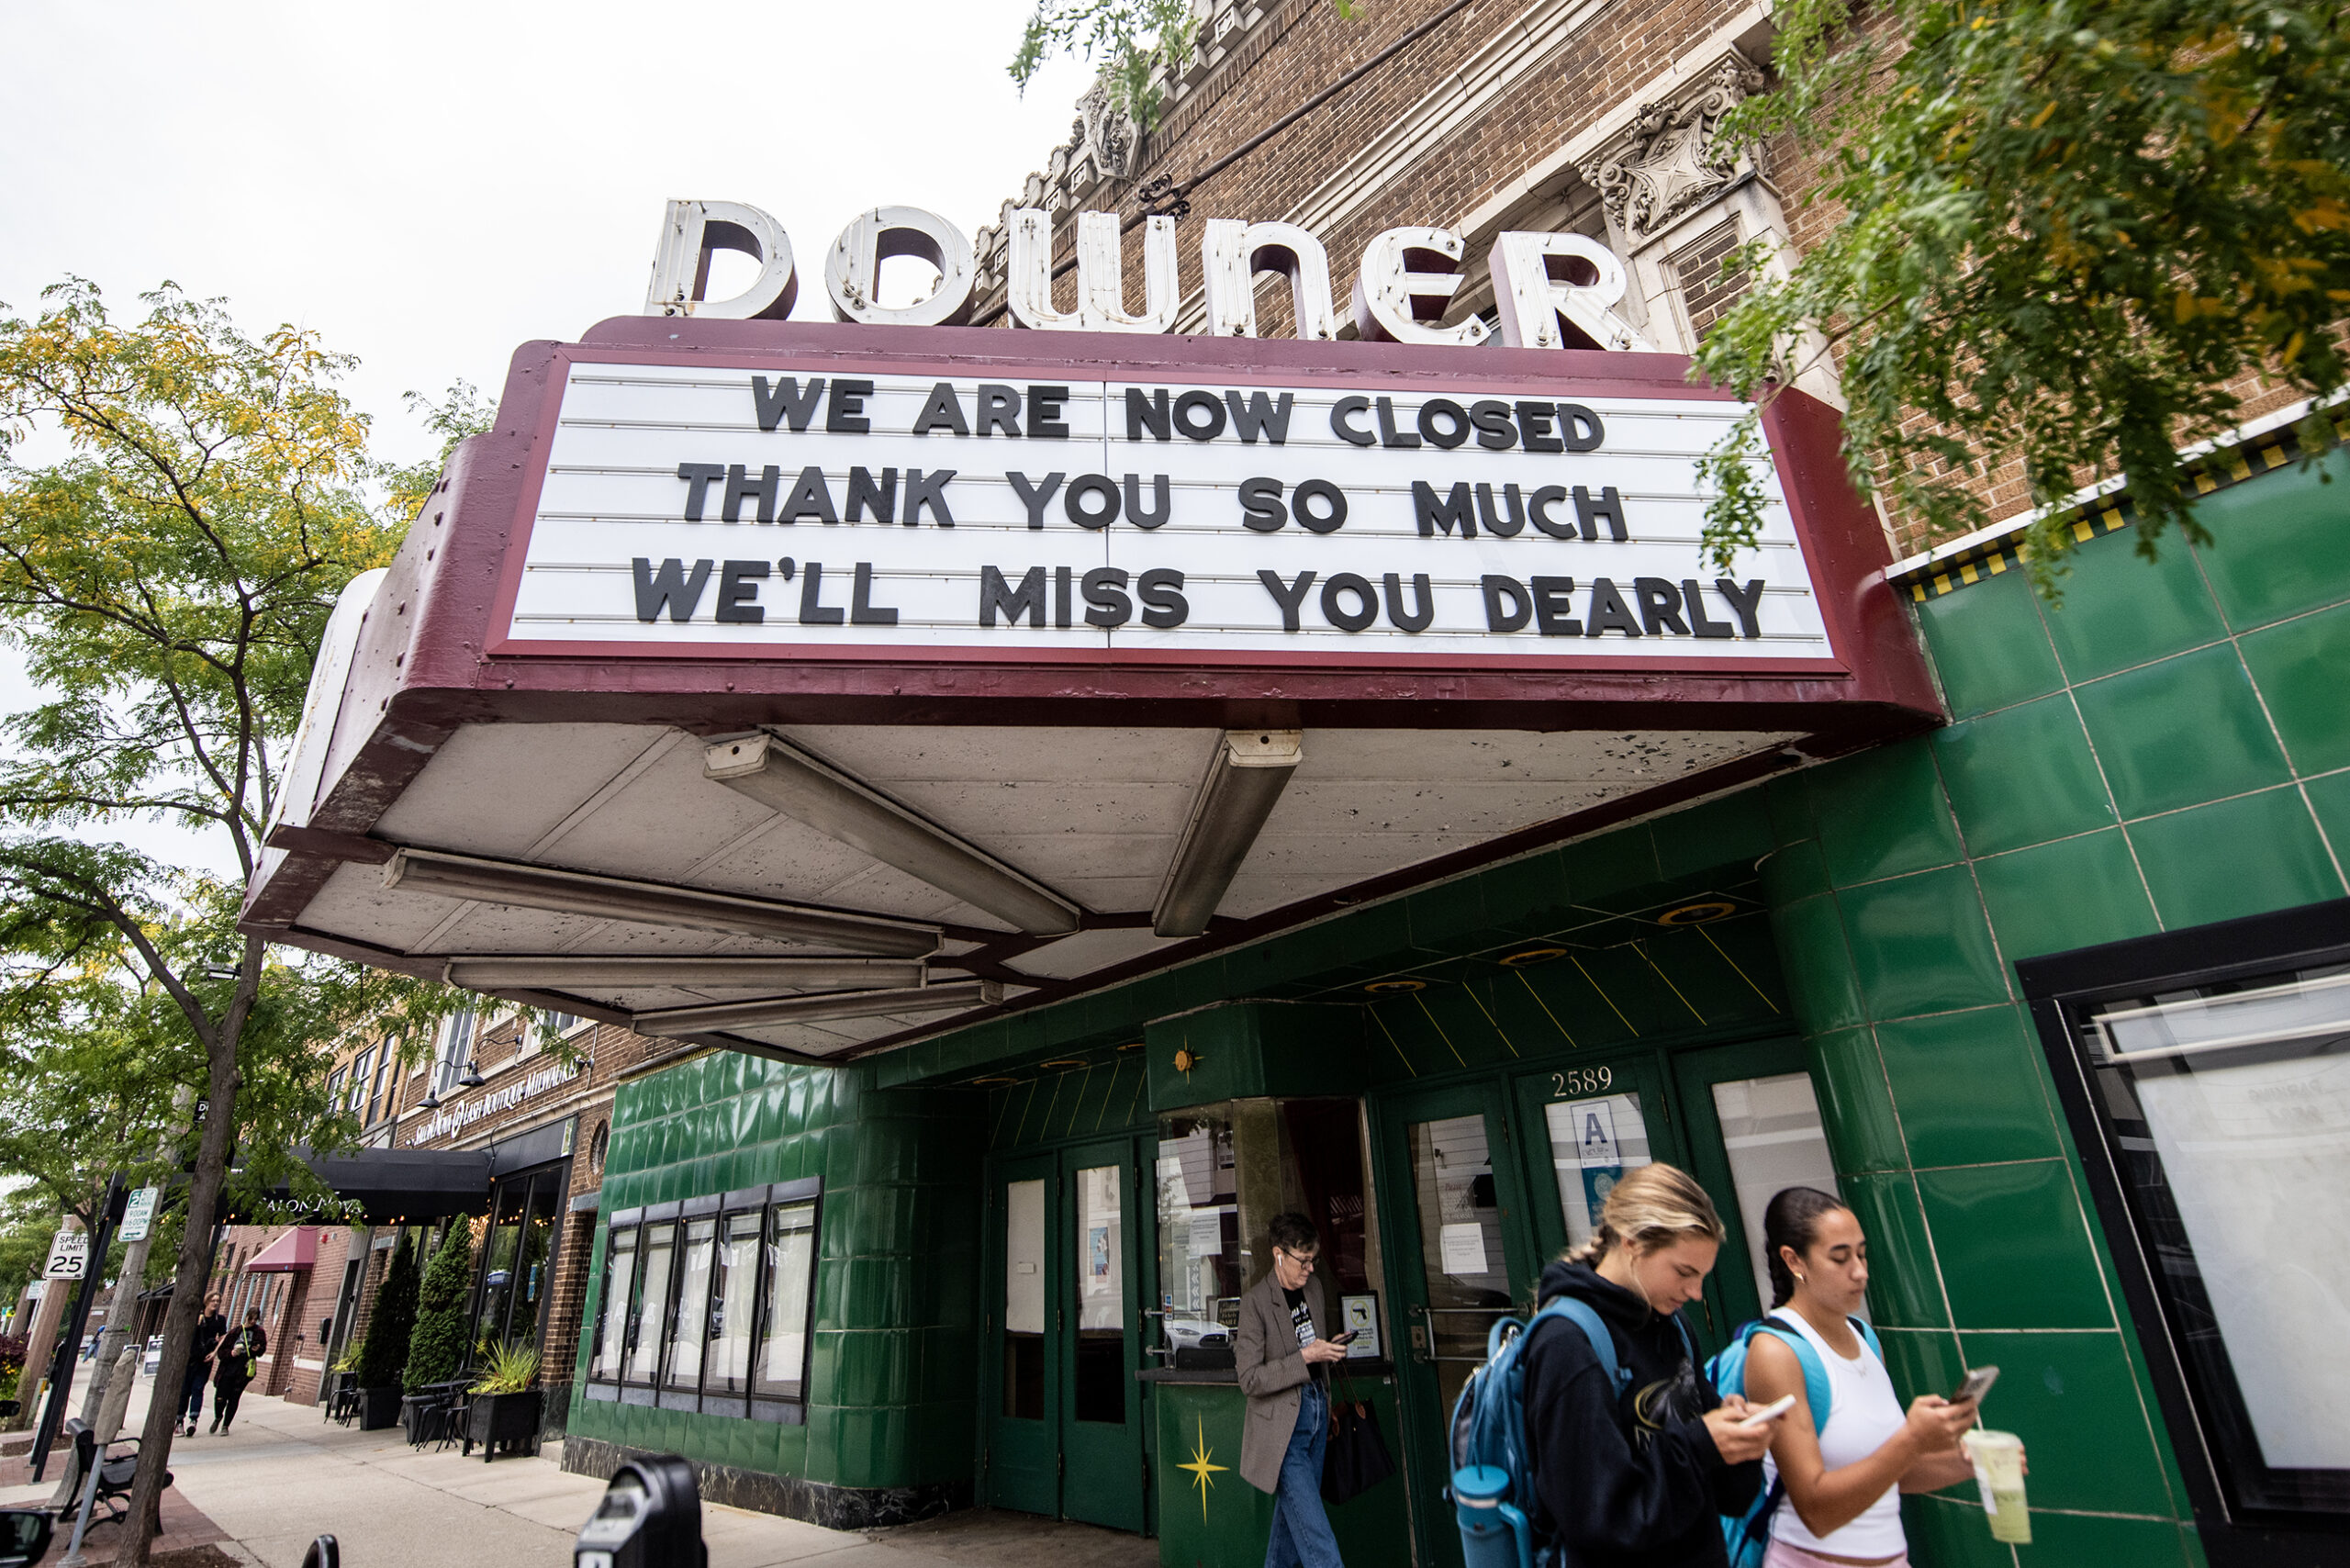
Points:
(1357, 1458)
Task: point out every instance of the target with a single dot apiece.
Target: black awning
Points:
(379, 1186)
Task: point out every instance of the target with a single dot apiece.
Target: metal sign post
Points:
(69, 1342)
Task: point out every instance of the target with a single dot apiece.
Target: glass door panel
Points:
(1752, 1127)
(1464, 1266)
(1101, 1353)
(533, 1265)
(1023, 1300)
(1592, 1144)
(1024, 1431)
(1100, 1437)
(1772, 1138)
(498, 1274)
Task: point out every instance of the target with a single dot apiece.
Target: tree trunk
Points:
(196, 1263)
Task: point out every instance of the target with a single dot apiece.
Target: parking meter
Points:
(650, 1518)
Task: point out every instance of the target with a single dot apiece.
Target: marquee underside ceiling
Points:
(1094, 814)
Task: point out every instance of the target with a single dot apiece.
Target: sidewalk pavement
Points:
(284, 1476)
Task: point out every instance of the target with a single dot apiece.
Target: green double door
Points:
(1483, 1183)
(1065, 1426)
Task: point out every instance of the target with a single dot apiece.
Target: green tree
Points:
(437, 1347)
(167, 580)
(1131, 38)
(2065, 229)
(383, 1354)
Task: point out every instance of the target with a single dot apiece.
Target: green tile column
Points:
(1945, 1133)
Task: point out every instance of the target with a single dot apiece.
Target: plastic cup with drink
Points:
(1998, 1458)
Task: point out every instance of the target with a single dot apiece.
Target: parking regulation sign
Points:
(138, 1214)
(69, 1255)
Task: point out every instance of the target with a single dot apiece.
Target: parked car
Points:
(1192, 1334)
(153, 1361)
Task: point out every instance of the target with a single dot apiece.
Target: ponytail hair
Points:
(1792, 1220)
(1651, 1207)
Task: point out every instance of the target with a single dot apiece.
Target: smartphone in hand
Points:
(1348, 1338)
(1978, 1383)
(1768, 1413)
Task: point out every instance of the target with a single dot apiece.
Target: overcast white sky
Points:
(430, 184)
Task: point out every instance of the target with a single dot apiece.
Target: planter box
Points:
(510, 1421)
(379, 1407)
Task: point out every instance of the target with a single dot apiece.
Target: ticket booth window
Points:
(1224, 1171)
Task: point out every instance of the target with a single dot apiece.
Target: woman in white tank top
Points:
(1843, 1482)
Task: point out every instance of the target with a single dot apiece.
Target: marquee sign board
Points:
(990, 510)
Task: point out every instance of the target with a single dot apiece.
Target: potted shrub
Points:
(506, 1410)
(383, 1354)
(436, 1347)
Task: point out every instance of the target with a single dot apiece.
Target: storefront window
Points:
(713, 1306)
(735, 1288)
(614, 1304)
(1199, 1229)
(2227, 1113)
(649, 1322)
(689, 1321)
(789, 1277)
(1224, 1171)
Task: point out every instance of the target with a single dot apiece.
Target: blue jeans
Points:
(1301, 1529)
(192, 1390)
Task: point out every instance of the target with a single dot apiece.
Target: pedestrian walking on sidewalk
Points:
(210, 1329)
(1282, 1360)
(1843, 1478)
(1636, 1474)
(240, 1357)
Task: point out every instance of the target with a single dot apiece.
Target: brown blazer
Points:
(1272, 1368)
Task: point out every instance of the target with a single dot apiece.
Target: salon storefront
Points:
(1058, 798)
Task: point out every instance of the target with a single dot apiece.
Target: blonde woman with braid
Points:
(1637, 1476)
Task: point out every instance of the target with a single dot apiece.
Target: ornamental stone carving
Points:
(1668, 162)
(1109, 136)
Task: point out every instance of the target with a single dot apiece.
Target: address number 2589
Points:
(1582, 1080)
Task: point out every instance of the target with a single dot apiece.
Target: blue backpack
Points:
(1493, 1485)
(1748, 1535)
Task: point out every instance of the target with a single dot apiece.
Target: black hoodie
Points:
(1633, 1481)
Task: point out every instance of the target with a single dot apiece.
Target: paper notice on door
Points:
(1464, 1249)
(1207, 1234)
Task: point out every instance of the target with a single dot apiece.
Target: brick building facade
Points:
(540, 1108)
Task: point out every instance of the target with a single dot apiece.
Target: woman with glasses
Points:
(1282, 1356)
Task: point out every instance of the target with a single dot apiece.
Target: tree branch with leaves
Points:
(2069, 236)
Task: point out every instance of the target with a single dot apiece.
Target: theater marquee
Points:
(1023, 512)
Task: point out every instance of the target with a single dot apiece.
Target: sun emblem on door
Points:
(1200, 1469)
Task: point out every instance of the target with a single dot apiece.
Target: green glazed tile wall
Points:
(2161, 750)
(892, 1367)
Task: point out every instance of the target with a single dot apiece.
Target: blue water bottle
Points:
(1493, 1534)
